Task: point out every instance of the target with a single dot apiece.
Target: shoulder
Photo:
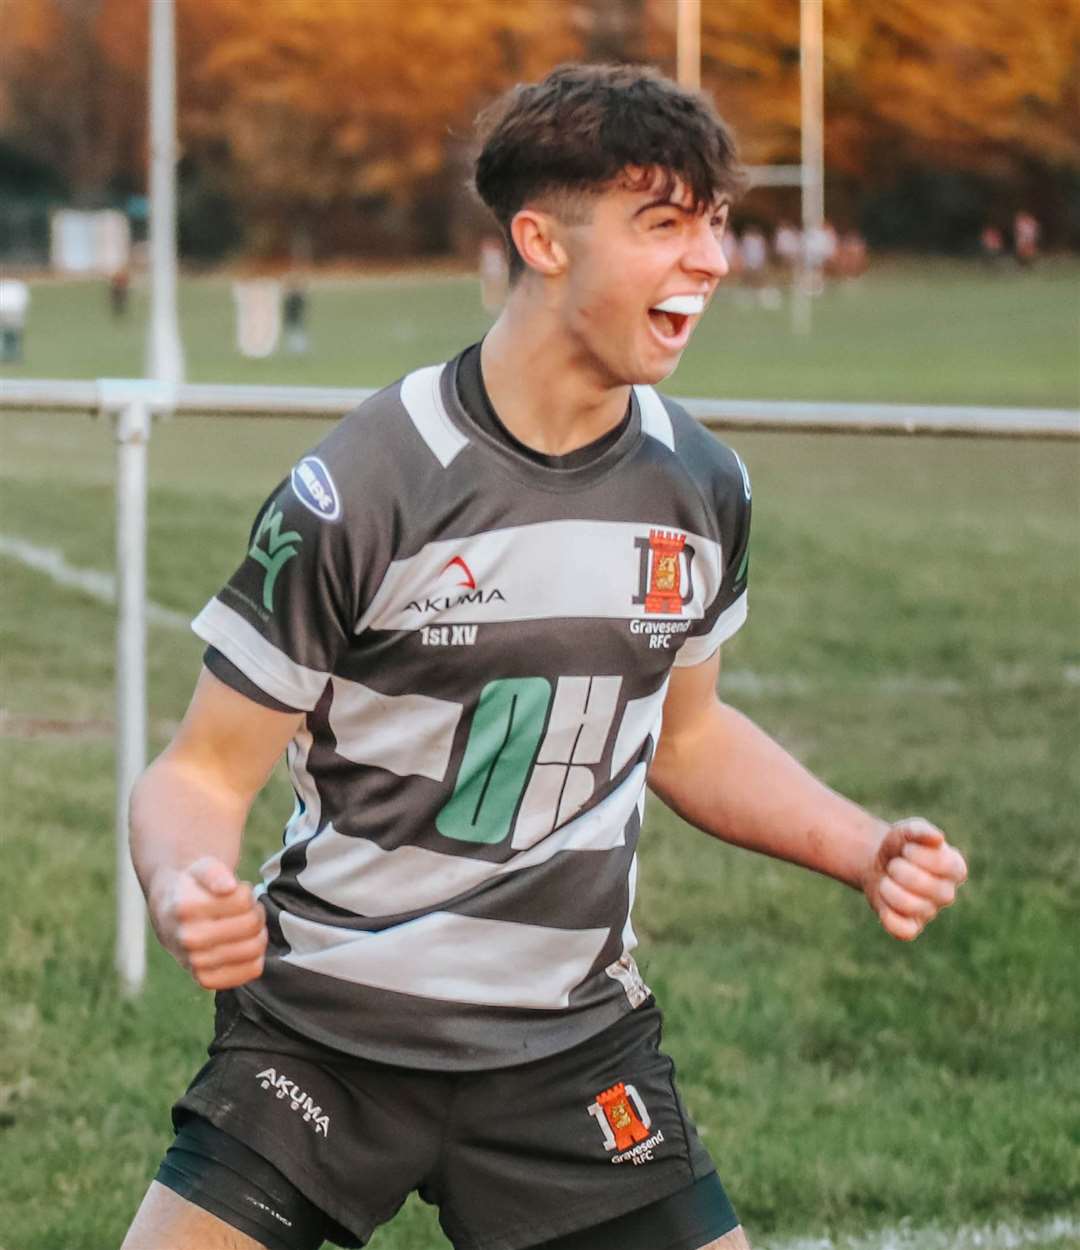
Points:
(391, 440)
(717, 469)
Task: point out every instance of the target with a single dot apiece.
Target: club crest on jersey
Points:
(626, 1125)
(314, 487)
(665, 580)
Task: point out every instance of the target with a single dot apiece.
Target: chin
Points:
(646, 369)
(654, 374)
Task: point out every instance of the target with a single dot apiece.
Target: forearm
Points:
(733, 781)
(179, 814)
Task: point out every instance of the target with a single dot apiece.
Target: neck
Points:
(547, 391)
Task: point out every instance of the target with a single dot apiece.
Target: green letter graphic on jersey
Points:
(499, 754)
(279, 551)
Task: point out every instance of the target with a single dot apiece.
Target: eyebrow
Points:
(667, 202)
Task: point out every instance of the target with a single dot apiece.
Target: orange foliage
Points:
(969, 83)
(952, 83)
(71, 93)
(313, 103)
(749, 64)
(356, 97)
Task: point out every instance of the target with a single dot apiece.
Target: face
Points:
(640, 249)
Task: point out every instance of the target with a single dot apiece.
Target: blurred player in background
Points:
(464, 618)
(852, 259)
(294, 309)
(119, 290)
(14, 305)
(992, 244)
(1025, 237)
(787, 247)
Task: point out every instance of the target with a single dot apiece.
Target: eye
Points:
(666, 223)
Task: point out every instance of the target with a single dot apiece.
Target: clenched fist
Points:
(914, 875)
(210, 923)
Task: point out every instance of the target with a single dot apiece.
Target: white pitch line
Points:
(91, 582)
(1058, 1230)
(102, 587)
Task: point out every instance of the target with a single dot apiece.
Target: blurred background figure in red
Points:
(119, 287)
(991, 243)
(851, 256)
(1025, 237)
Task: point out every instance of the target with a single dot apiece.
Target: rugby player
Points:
(478, 618)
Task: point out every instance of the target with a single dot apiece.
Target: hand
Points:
(211, 924)
(914, 875)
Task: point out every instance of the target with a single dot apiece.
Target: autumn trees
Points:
(348, 111)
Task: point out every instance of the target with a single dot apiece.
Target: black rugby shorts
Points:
(512, 1158)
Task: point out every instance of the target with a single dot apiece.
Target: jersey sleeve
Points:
(728, 497)
(284, 618)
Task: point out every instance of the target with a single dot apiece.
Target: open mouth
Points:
(671, 318)
(668, 325)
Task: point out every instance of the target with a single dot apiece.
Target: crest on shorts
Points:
(624, 1120)
(622, 1115)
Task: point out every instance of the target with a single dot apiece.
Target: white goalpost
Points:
(809, 175)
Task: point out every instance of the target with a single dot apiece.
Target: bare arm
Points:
(722, 773)
(187, 821)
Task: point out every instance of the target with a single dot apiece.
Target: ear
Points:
(536, 237)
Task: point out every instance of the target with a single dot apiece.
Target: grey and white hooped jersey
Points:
(481, 645)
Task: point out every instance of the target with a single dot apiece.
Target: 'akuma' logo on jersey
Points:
(665, 578)
(443, 603)
(456, 588)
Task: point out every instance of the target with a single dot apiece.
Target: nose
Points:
(705, 251)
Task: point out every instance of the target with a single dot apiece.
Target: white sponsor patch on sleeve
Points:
(314, 487)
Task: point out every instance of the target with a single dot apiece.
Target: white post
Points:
(165, 355)
(688, 44)
(132, 436)
(811, 77)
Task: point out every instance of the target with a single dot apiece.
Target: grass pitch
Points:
(912, 637)
(941, 333)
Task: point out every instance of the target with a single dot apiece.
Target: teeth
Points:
(688, 305)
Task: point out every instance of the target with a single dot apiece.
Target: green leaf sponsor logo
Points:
(279, 550)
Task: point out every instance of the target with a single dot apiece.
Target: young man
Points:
(465, 617)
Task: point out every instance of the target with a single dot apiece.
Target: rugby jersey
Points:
(481, 642)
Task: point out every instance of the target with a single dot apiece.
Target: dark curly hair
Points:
(584, 128)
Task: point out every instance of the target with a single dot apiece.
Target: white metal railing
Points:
(211, 399)
(132, 403)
